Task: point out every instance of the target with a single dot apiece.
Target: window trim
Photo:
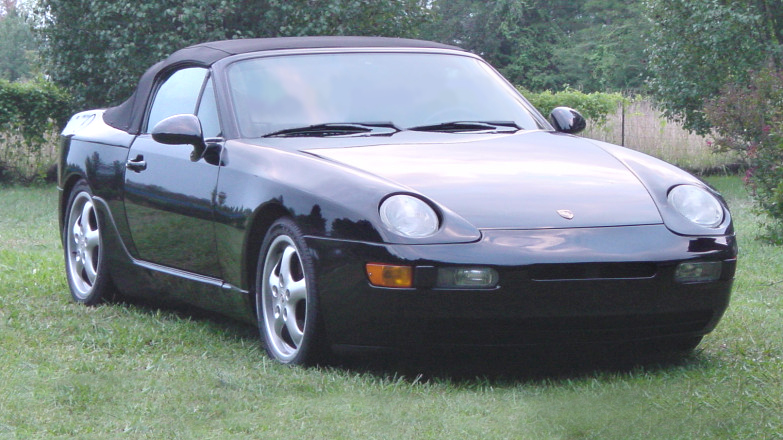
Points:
(209, 77)
(161, 81)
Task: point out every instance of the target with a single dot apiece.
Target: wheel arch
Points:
(262, 220)
(65, 195)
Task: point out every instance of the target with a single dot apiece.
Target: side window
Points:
(178, 95)
(208, 114)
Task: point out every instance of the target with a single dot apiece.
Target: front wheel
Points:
(286, 297)
(85, 258)
(681, 344)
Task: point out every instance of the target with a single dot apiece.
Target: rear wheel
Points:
(85, 260)
(286, 297)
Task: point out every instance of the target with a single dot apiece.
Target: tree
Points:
(98, 48)
(717, 66)
(604, 50)
(7, 6)
(592, 45)
(516, 36)
(698, 46)
(16, 43)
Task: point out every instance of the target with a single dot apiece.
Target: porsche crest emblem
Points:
(566, 214)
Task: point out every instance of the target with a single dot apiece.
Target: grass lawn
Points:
(134, 372)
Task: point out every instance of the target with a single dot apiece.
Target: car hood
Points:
(527, 180)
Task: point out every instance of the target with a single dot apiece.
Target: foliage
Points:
(513, 35)
(98, 48)
(16, 45)
(705, 57)
(29, 113)
(749, 118)
(698, 46)
(604, 46)
(595, 106)
(593, 45)
(31, 106)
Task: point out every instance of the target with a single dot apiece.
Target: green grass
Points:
(123, 371)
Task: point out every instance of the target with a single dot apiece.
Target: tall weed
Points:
(27, 162)
(637, 124)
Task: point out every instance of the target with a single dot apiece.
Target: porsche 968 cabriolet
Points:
(351, 192)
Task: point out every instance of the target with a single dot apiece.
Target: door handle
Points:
(138, 164)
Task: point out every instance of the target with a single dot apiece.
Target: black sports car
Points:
(348, 192)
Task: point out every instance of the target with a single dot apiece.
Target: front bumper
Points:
(575, 285)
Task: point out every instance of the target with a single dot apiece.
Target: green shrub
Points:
(749, 119)
(31, 114)
(593, 106)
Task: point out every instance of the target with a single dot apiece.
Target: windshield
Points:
(403, 90)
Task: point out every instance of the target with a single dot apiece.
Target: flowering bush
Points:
(749, 118)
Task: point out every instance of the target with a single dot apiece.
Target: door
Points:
(169, 198)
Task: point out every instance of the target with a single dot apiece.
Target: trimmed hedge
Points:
(32, 106)
(31, 114)
(593, 106)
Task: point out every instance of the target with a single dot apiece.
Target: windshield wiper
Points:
(338, 129)
(462, 126)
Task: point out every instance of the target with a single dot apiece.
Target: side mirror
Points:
(567, 120)
(181, 130)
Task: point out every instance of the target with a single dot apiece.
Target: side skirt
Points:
(139, 278)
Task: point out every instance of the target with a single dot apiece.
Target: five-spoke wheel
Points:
(286, 302)
(83, 245)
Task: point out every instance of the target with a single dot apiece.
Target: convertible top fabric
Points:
(129, 115)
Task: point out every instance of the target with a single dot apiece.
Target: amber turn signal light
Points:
(387, 275)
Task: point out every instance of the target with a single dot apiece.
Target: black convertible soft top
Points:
(129, 115)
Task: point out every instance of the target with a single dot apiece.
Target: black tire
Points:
(681, 344)
(672, 345)
(83, 245)
(287, 298)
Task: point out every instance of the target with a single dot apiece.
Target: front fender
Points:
(326, 199)
(659, 177)
(332, 194)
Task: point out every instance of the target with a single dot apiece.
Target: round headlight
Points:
(409, 216)
(697, 205)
